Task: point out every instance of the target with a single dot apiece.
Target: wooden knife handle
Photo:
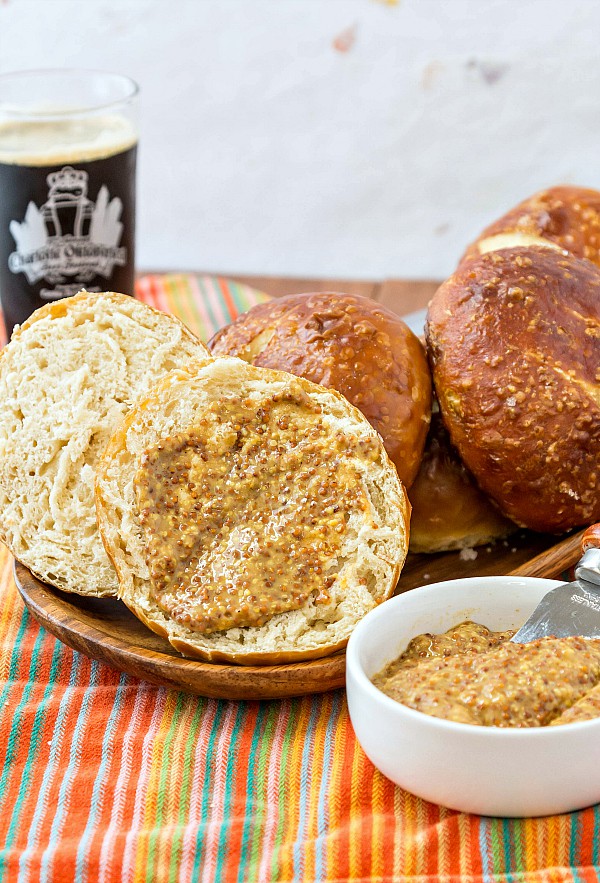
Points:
(591, 538)
(551, 563)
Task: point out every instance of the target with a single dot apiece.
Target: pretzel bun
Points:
(350, 344)
(252, 517)
(514, 343)
(67, 378)
(449, 511)
(563, 218)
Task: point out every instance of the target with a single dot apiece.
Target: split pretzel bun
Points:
(514, 343)
(261, 448)
(67, 377)
(563, 218)
(350, 344)
(449, 511)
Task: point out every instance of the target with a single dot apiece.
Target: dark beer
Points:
(68, 142)
(67, 211)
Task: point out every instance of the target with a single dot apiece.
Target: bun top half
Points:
(514, 342)
(350, 344)
(564, 218)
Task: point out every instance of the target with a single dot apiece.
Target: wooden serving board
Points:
(106, 630)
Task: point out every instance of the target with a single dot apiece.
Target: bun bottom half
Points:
(67, 378)
(348, 462)
(449, 511)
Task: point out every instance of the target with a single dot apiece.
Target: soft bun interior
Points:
(67, 378)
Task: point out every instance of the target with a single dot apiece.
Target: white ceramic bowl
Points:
(484, 770)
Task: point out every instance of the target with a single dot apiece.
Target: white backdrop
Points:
(347, 138)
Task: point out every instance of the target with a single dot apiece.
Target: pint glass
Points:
(68, 142)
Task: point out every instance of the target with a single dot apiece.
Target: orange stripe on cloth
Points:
(106, 779)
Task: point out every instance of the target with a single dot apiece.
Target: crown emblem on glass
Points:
(67, 178)
(67, 210)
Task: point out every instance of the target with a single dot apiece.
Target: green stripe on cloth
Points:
(29, 770)
(184, 788)
(252, 821)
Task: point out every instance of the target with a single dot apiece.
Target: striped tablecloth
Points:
(106, 778)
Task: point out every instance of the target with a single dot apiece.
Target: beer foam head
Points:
(48, 142)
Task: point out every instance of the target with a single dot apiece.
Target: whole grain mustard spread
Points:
(474, 676)
(245, 514)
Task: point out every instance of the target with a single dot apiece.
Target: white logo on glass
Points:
(69, 236)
